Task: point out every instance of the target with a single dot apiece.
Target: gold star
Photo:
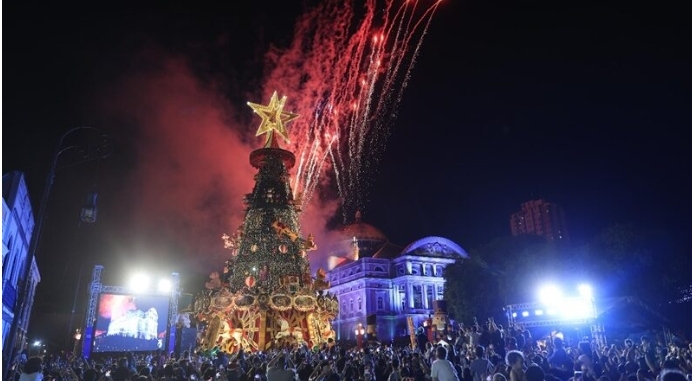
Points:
(273, 118)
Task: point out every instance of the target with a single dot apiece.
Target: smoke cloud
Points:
(191, 168)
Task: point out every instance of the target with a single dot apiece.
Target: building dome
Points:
(362, 231)
(359, 240)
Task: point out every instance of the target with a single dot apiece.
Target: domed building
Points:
(372, 277)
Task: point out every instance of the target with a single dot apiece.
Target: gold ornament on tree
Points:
(321, 282)
(310, 244)
(253, 248)
(231, 243)
(281, 228)
(250, 281)
(283, 248)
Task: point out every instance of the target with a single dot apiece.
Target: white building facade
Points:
(17, 229)
(388, 281)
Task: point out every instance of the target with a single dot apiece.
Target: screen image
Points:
(130, 323)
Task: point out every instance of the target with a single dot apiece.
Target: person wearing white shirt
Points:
(442, 369)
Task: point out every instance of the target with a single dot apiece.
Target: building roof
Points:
(372, 243)
(388, 251)
(435, 247)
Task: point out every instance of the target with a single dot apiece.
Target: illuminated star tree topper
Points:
(274, 118)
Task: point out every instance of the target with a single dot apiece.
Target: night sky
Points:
(582, 103)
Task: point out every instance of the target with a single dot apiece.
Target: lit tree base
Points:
(257, 322)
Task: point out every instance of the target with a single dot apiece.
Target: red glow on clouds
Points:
(192, 169)
(192, 166)
(344, 74)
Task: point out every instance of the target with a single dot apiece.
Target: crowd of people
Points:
(476, 353)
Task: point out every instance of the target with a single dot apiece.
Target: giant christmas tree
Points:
(266, 295)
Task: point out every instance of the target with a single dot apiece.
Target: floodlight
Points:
(165, 285)
(550, 295)
(139, 283)
(551, 311)
(514, 314)
(525, 314)
(539, 312)
(37, 343)
(585, 291)
(577, 308)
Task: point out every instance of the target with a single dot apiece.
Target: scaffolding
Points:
(598, 336)
(94, 292)
(527, 315)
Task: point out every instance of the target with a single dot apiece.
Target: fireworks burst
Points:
(348, 67)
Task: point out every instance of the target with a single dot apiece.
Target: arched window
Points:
(360, 304)
(352, 305)
(378, 268)
(380, 303)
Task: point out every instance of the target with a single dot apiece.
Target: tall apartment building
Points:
(541, 218)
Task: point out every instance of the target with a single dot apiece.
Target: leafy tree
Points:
(471, 290)
(632, 260)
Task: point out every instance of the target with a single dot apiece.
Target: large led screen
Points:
(130, 323)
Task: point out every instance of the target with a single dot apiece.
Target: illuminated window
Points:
(417, 297)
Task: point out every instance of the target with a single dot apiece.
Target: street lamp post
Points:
(97, 152)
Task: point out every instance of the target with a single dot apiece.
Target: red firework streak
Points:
(345, 73)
